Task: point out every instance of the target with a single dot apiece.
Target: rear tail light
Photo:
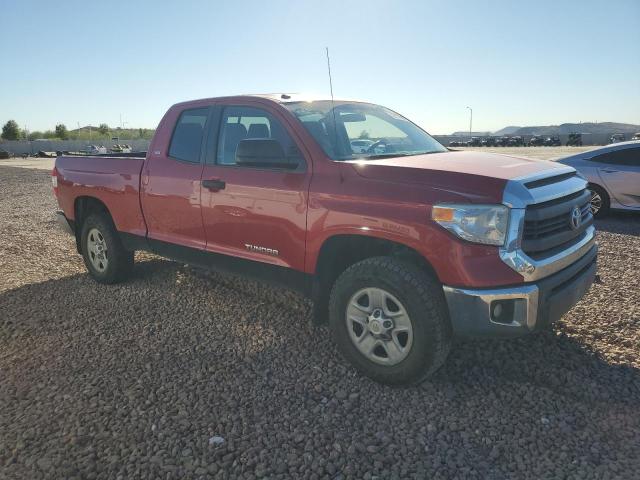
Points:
(54, 180)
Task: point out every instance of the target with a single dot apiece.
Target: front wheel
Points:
(389, 319)
(104, 255)
(599, 201)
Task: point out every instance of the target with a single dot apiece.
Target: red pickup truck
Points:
(400, 243)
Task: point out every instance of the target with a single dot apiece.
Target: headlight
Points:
(486, 224)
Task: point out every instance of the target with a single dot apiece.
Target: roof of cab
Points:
(300, 97)
(274, 97)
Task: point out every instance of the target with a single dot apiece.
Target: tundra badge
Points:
(256, 248)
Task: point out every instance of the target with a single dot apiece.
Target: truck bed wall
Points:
(115, 181)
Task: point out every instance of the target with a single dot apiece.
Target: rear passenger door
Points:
(171, 183)
(620, 172)
(256, 213)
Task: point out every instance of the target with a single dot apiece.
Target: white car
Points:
(613, 173)
(95, 150)
(361, 145)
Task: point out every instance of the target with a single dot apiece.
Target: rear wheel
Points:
(599, 201)
(389, 319)
(104, 255)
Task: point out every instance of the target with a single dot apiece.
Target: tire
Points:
(100, 241)
(604, 204)
(423, 349)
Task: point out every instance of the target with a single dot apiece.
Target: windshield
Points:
(348, 131)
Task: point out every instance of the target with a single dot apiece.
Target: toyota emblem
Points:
(576, 218)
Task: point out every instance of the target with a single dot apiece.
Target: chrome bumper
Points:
(64, 223)
(530, 306)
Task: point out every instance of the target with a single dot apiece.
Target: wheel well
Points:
(602, 189)
(83, 207)
(341, 251)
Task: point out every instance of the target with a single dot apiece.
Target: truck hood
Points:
(477, 176)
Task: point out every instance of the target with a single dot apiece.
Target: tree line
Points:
(12, 131)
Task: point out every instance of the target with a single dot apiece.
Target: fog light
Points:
(502, 311)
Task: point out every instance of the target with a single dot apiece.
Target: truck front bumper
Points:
(66, 226)
(518, 310)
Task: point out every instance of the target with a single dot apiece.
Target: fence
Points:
(141, 145)
(21, 148)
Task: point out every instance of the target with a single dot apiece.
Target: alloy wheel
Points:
(97, 250)
(379, 326)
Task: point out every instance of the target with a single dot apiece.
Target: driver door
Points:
(255, 213)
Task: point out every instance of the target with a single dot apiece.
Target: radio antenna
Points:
(333, 106)
(329, 69)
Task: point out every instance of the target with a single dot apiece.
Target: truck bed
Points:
(112, 179)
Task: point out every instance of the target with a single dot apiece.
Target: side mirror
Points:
(263, 153)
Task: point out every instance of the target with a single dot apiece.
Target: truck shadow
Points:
(551, 360)
(172, 337)
(623, 222)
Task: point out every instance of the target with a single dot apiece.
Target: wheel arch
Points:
(338, 252)
(84, 206)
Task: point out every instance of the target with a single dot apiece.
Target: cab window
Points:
(241, 123)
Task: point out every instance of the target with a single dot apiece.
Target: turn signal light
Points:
(442, 214)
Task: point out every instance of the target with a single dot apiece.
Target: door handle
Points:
(608, 170)
(214, 184)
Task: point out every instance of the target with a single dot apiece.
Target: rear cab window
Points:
(186, 141)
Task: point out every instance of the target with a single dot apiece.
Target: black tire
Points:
(119, 260)
(605, 201)
(422, 298)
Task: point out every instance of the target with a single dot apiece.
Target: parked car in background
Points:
(95, 149)
(488, 142)
(536, 141)
(613, 173)
(399, 250)
(457, 143)
(574, 140)
(474, 142)
(121, 148)
(361, 145)
(4, 155)
(516, 141)
(617, 137)
(636, 136)
(553, 141)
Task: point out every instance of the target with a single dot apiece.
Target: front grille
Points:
(548, 228)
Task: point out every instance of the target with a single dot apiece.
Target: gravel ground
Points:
(139, 380)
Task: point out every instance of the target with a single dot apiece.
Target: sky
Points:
(514, 62)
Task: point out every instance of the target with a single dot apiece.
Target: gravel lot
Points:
(137, 380)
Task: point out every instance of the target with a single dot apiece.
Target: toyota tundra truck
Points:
(401, 245)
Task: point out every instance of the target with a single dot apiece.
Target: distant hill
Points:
(507, 131)
(91, 132)
(566, 128)
(473, 134)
